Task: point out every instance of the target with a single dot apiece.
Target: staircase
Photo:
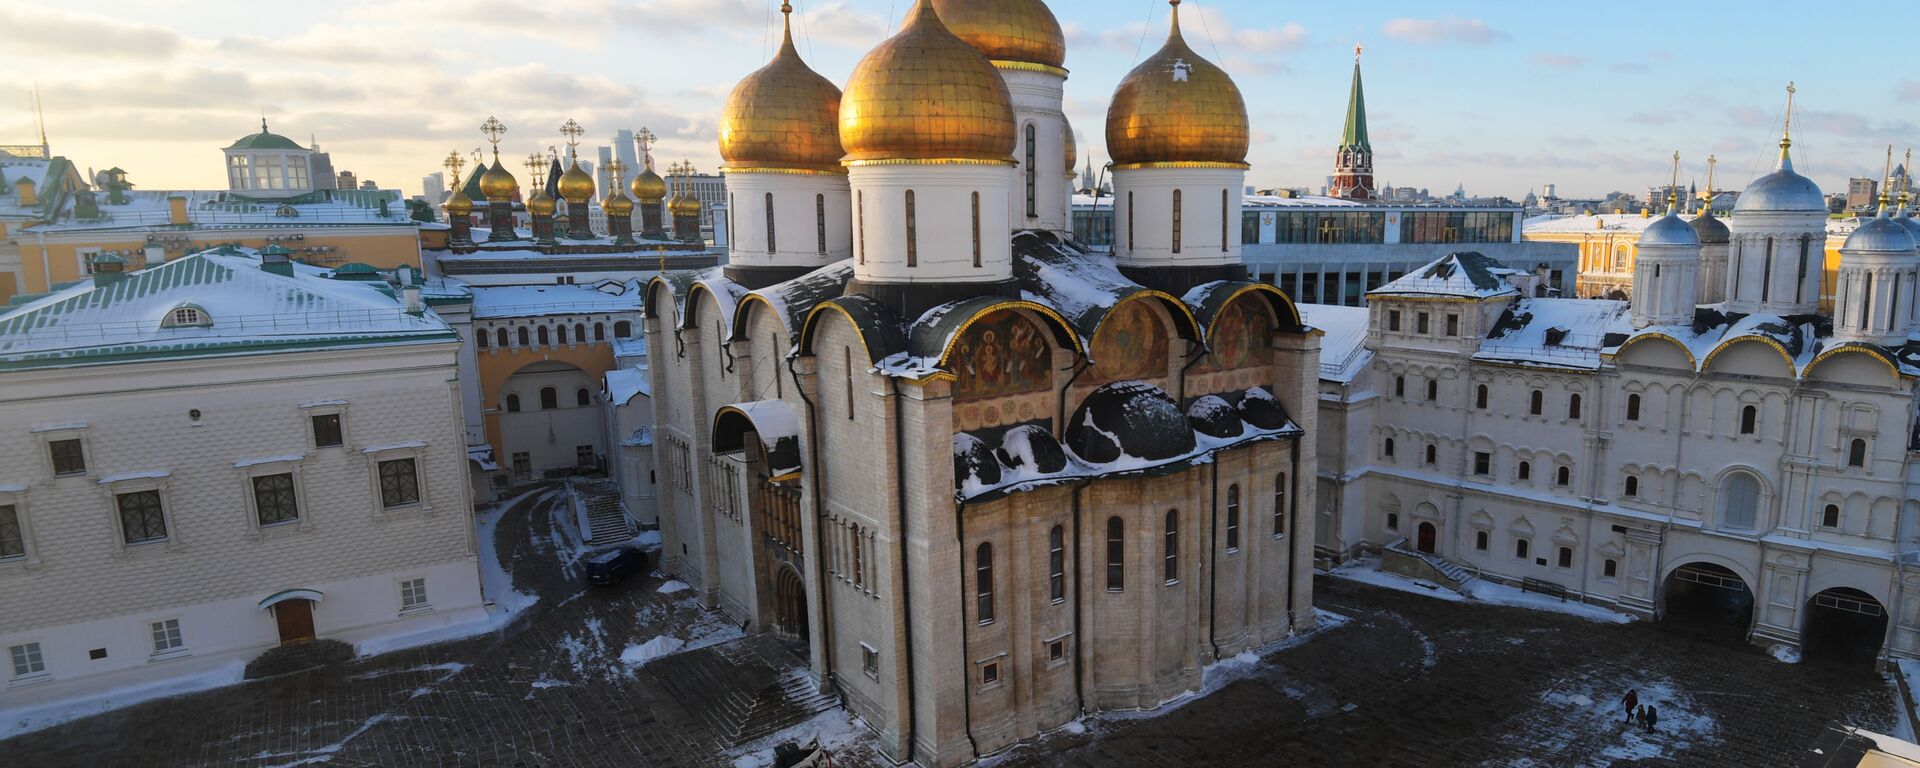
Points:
(606, 519)
(735, 693)
(1398, 558)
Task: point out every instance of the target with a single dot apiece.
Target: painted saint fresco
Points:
(1001, 354)
(1131, 344)
(1242, 336)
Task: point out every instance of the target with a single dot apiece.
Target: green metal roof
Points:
(265, 140)
(1355, 134)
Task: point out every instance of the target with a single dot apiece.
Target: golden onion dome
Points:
(498, 183)
(648, 187)
(783, 116)
(684, 205)
(459, 204)
(1177, 107)
(1073, 147)
(1022, 31)
(926, 95)
(540, 204)
(575, 185)
(618, 205)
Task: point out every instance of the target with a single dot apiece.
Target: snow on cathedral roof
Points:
(1555, 333)
(1463, 275)
(236, 308)
(1343, 348)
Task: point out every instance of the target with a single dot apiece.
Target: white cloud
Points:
(41, 29)
(1558, 61)
(1451, 29)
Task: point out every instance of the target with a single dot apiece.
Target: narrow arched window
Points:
(549, 398)
(580, 333)
(1433, 454)
(599, 331)
(1749, 420)
(1057, 564)
(860, 198)
(1563, 476)
(500, 337)
(1233, 518)
(1033, 176)
(1857, 453)
(1129, 220)
(562, 330)
(523, 337)
(513, 403)
(983, 584)
(582, 397)
(1633, 487)
(1280, 490)
(1116, 555)
(976, 222)
(1573, 407)
(1525, 471)
(733, 221)
(1633, 407)
(1224, 209)
(546, 338)
(1536, 403)
(820, 222)
(622, 330)
(913, 233)
(1830, 517)
(1480, 397)
(1399, 386)
(1170, 558)
(770, 240)
(1520, 548)
(1433, 390)
(480, 339)
(1740, 501)
(1386, 448)
(1176, 221)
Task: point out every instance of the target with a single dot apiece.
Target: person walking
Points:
(1640, 715)
(1653, 719)
(1631, 700)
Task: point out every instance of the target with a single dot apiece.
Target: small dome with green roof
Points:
(265, 139)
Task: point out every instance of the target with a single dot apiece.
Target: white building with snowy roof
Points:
(210, 457)
(1744, 465)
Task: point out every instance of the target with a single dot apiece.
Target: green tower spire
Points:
(1355, 134)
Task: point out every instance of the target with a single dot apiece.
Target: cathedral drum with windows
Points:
(994, 480)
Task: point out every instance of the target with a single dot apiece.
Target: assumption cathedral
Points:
(992, 479)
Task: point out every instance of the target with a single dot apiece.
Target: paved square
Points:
(578, 681)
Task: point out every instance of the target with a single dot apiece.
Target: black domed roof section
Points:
(880, 329)
(1712, 231)
(974, 464)
(1031, 448)
(1129, 419)
(1215, 417)
(1259, 408)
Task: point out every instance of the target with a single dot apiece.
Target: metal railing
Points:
(261, 214)
(291, 324)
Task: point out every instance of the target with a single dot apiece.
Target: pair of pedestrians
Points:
(1647, 716)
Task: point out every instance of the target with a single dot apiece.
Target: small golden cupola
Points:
(1177, 107)
(498, 184)
(1073, 149)
(458, 204)
(540, 204)
(648, 187)
(1011, 33)
(575, 185)
(926, 95)
(783, 116)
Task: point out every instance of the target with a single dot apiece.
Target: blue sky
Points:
(1501, 96)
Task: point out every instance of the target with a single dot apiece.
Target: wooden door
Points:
(295, 618)
(1426, 538)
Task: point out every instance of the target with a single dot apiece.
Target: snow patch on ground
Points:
(673, 586)
(639, 655)
(1366, 570)
(1595, 719)
(495, 581)
(836, 730)
(1784, 654)
(16, 721)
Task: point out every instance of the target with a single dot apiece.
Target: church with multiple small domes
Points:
(992, 479)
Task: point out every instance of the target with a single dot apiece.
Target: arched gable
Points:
(1852, 363)
(1734, 354)
(1657, 353)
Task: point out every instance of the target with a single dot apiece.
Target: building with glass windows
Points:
(1326, 250)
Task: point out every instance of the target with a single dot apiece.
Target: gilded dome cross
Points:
(645, 139)
(453, 164)
(493, 128)
(572, 131)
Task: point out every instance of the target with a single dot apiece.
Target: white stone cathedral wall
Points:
(943, 222)
(1143, 216)
(797, 199)
(1037, 100)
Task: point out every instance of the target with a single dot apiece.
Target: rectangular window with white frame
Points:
(399, 482)
(167, 640)
(275, 500)
(413, 595)
(28, 664)
(143, 516)
(13, 532)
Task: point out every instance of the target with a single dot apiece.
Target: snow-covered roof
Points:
(1343, 348)
(246, 310)
(214, 209)
(1628, 223)
(1555, 333)
(1464, 275)
(624, 383)
(1800, 339)
(607, 296)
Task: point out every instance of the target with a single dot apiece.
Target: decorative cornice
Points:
(1188, 164)
(1028, 66)
(926, 161)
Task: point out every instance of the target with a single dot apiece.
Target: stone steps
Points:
(606, 520)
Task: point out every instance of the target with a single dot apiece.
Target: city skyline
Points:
(389, 88)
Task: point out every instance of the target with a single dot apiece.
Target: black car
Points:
(612, 565)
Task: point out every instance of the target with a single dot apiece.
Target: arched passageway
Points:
(1709, 601)
(1843, 625)
(789, 603)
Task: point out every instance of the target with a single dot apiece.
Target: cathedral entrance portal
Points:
(789, 603)
(1427, 535)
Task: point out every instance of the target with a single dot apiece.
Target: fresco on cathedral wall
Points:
(1242, 337)
(1130, 344)
(1002, 354)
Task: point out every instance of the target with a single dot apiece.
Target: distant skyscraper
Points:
(623, 149)
(345, 180)
(603, 179)
(322, 165)
(433, 188)
(1353, 163)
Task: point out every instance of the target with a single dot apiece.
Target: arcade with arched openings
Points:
(1709, 601)
(1843, 625)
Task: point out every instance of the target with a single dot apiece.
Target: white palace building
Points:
(1719, 452)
